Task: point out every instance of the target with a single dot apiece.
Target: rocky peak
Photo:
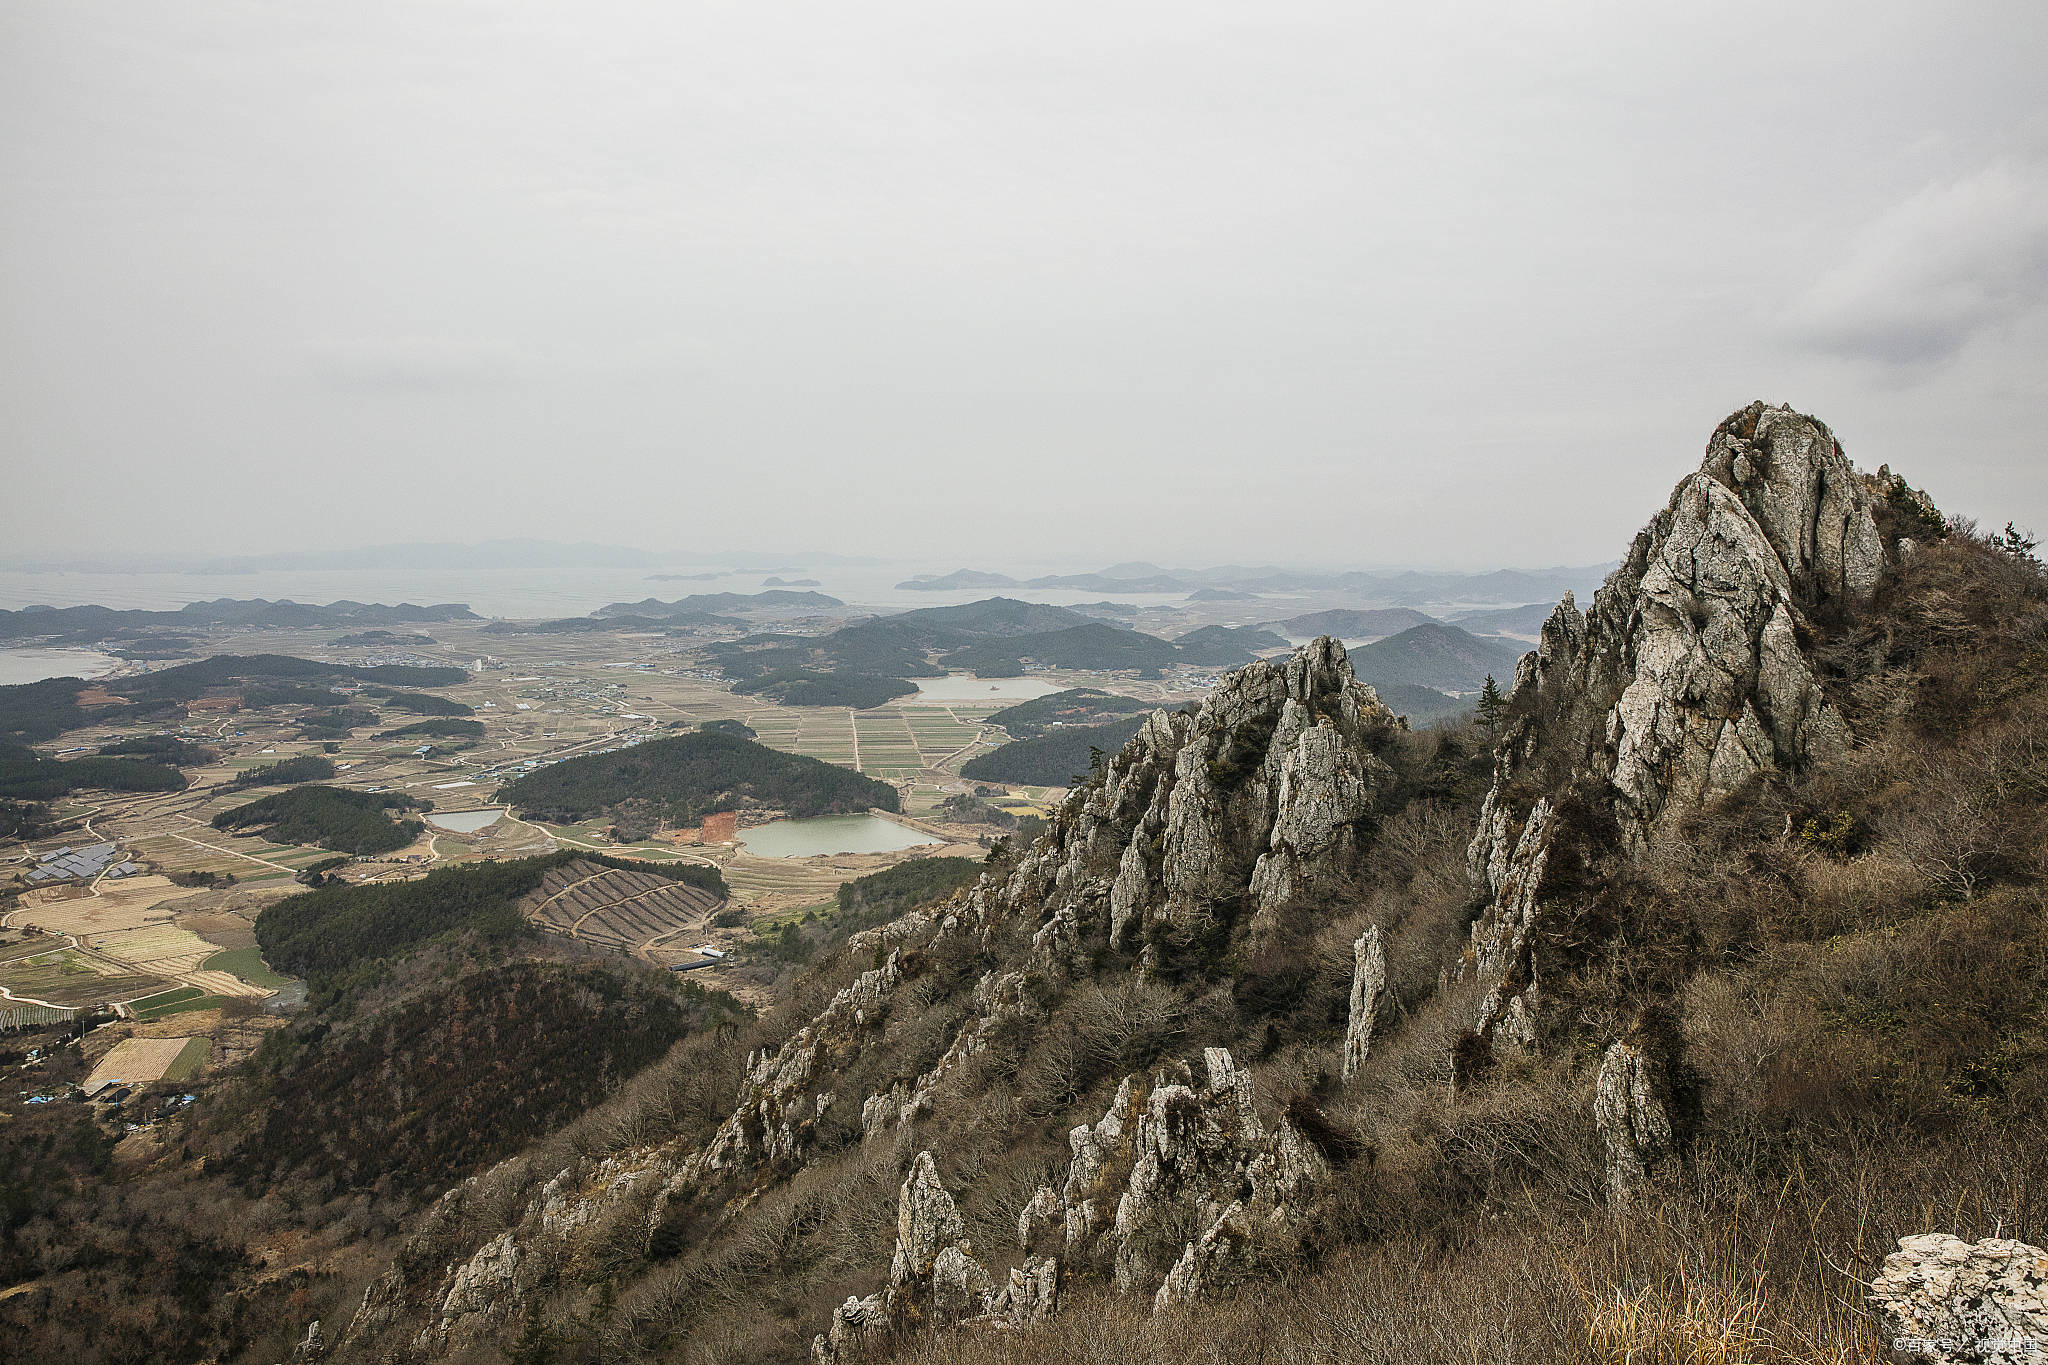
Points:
(1688, 678)
(1264, 791)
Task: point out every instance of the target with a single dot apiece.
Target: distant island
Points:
(1403, 588)
(89, 625)
(789, 582)
(719, 601)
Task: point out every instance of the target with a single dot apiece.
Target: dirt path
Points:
(196, 843)
(11, 998)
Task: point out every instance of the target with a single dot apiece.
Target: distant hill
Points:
(993, 616)
(1226, 646)
(697, 603)
(1055, 758)
(1421, 704)
(1347, 624)
(1526, 620)
(1109, 582)
(1096, 645)
(1436, 656)
(1404, 588)
(682, 779)
(1221, 595)
(957, 580)
(856, 690)
(43, 710)
(1076, 706)
(87, 624)
(898, 646)
(28, 776)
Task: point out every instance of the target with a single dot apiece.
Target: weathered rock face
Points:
(1269, 788)
(1952, 1302)
(1169, 1148)
(935, 1277)
(1687, 679)
(1368, 979)
(481, 1292)
(1629, 1111)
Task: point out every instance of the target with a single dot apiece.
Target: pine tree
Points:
(1492, 708)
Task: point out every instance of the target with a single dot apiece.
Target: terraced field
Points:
(614, 908)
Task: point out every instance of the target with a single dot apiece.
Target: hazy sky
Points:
(1344, 283)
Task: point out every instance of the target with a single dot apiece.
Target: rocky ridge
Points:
(1687, 679)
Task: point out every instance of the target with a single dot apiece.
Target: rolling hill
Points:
(1436, 656)
(1348, 624)
(682, 779)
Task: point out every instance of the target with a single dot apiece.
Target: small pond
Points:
(831, 834)
(965, 687)
(463, 821)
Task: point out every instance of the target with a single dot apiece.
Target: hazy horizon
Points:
(963, 287)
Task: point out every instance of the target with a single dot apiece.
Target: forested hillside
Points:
(684, 778)
(330, 817)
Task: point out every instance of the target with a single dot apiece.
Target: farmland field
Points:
(139, 1061)
(246, 963)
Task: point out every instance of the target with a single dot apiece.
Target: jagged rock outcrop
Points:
(1635, 1126)
(1166, 1147)
(1269, 788)
(1950, 1302)
(935, 1277)
(998, 997)
(1687, 679)
(776, 1110)
(482, 1290)
(1368, 979)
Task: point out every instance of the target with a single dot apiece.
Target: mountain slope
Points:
(1300, 1035)
(1436, 656)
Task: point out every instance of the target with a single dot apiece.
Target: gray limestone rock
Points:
(1949, 1302)
(1687, 680)
(1368, 979)
(1632, 1120)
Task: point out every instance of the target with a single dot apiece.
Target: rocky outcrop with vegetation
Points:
(1654, 1024)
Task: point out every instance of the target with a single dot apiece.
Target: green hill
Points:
(1076, 706)
(1095, 645)
(1436, 656)
(329, 817)
(1056, 758)
(1226, 646)
(686, 777)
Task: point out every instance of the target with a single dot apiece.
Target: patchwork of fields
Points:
(890, 742)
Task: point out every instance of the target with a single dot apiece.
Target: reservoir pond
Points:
(831, 834)
(962, 687)
(463, 821)
(33, 665)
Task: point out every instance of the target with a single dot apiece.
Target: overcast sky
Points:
(1344, 284)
